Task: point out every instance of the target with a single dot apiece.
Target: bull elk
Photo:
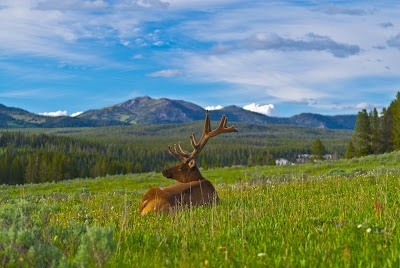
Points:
(193, 189)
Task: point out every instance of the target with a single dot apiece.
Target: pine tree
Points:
(395, 110)
(362, 134)
(385, 131)
(318, 149)
(375, 135)
(350, 151)
(16, 172)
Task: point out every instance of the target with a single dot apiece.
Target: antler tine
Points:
(207, 125)
(193, 140)
(183, 152)
(222, 128)
(206, 135)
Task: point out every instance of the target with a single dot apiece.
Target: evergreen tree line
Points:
(36, 158)
(376, 133)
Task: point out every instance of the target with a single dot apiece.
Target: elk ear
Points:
(192, 163)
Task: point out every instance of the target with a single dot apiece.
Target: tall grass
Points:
(332, 214)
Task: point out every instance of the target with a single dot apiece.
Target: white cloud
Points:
(76, 114)
(268, 109)
(54, 114)
(55, 29)
(311, 42)
(363, 105)
(166, 73)
(275, 55)
(211, 108)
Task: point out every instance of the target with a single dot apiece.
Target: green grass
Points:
(329, 214)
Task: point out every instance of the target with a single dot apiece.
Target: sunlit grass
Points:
(341, 214)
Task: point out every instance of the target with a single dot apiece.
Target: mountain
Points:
(18, 118)
(145, 110)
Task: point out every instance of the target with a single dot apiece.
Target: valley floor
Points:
(331, 214)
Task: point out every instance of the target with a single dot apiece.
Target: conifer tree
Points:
(350, 151)
(362, 134)
(375, 135)
(385, 131)
(395, 111)
(318, 149)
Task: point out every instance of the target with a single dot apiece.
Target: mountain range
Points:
(145, 110)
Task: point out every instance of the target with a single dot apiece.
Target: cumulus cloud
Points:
(76, 114)
(54, 114)
(339, 10)
(268, 109)
(394, 41)
(211, 108)
(166, 73)
(311, 42)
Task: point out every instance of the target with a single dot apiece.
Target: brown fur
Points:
(193, 190)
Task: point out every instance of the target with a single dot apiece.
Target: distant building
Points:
(282, 162)
(303, 158)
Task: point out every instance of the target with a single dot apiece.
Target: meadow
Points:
(328, 214)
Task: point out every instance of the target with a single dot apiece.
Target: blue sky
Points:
(277, 57)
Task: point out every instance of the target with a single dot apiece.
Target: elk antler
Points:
(184, 155)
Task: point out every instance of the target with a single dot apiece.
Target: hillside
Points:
(39, 155)
(148, 111)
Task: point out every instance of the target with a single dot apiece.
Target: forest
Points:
(47, 155)
(376, 133)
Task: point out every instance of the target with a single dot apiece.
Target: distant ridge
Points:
(145, 110)
(18, 118)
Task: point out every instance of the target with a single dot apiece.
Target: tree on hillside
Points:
(318, 149)
(350, 151)
(395, 111)
(385, 131)
(362, 134)
(375, 135)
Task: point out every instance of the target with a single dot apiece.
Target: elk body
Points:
(192, 188)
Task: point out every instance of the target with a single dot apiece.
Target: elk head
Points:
(188, 171)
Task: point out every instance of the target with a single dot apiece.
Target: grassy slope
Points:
(342, 213)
